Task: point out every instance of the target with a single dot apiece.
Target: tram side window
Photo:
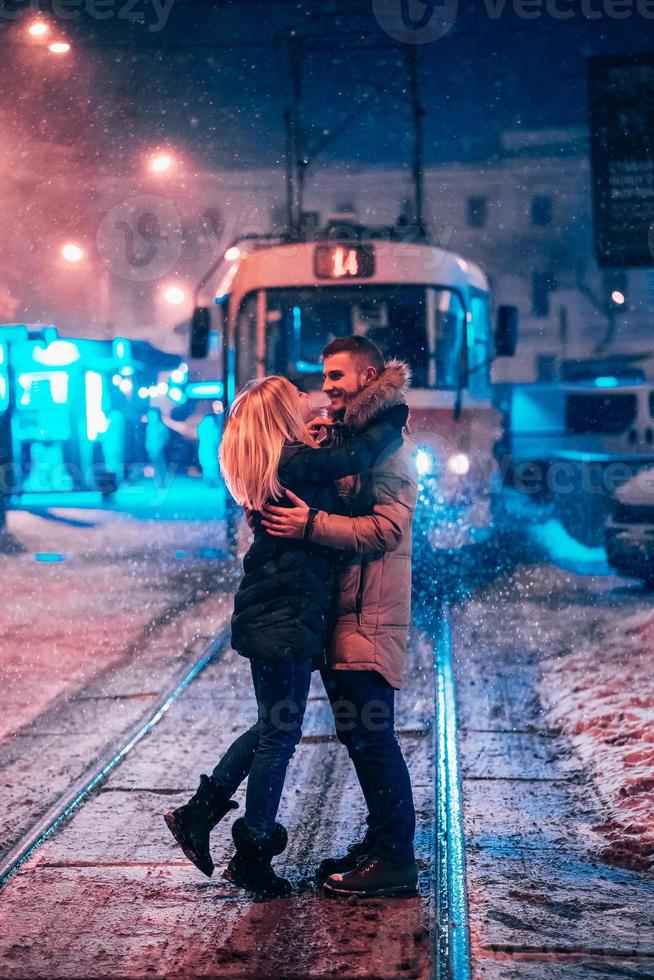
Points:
(479, 339)
(450, 340)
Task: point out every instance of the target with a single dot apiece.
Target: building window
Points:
(542, 284)
(477, 212)
(542, 212)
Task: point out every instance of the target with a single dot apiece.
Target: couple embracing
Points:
(327, 586)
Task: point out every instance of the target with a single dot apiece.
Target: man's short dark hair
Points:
(364, 351)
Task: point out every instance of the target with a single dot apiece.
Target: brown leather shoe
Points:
(375, 878)
(331, 866)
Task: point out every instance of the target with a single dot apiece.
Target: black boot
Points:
(192, 823)
(250, 867)
(375, 878)
(355, 854)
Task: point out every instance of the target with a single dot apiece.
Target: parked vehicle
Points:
(571, 444)
(630, 528)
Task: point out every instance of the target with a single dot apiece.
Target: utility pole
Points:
(418, 111)
(299, 157)
(294, 143)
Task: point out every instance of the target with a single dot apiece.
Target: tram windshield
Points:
(425, 326)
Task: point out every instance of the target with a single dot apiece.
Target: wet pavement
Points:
(110, 895)
(91, 640)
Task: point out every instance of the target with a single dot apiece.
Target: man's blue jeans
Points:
(265, 750)
(363, 704)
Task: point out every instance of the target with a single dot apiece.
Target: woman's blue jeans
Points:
(265, 750)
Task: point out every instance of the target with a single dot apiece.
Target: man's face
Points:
(343, 378)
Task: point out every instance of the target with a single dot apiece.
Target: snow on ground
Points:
(594, 635)
(86, 585)
(605, 685)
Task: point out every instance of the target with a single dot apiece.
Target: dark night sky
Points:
(215, 79)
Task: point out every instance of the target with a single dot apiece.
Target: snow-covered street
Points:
(327, 490)
(556, 768)
(554, 759)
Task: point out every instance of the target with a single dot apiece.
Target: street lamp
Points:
(38, 28)
(161, 163)
(59, 47)
(174, 295)
(72, 252)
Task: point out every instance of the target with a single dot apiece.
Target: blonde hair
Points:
(264, 416)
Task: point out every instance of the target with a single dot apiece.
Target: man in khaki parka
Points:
(371, 617)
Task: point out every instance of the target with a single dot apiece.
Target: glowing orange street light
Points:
(38, 28)
(161, 163)
(59, 47)
(72, 252)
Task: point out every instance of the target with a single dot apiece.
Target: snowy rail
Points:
(100, 769)
(452, 953)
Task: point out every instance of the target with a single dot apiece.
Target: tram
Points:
(281, 303)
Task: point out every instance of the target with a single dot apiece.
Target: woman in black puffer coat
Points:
(280, 613)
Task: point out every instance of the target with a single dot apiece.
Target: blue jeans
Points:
(265, 750)
(363, 704)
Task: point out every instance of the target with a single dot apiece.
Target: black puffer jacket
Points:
(285, 595)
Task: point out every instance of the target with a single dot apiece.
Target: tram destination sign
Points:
(621, 102)
(344, 261)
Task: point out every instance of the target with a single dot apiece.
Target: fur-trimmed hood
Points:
(388, 389)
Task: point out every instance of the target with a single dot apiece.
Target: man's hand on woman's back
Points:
(286, 522)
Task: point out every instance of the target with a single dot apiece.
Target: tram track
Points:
(422, 937)
(99, 770)
(452, 932)
(47, 762)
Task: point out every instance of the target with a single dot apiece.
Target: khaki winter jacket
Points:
(373, 595)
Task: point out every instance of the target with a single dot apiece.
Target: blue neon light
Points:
(205, 389)
(304, 367)
(59, 353)
(608, 382)
(49, 558)
(231, 374)
(96, 421)
(122, 349)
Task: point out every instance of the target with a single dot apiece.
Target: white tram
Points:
(282, 303)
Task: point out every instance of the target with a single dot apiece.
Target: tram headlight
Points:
(425, 460)
(459, 464)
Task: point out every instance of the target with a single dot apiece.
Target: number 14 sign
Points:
(344, 261)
